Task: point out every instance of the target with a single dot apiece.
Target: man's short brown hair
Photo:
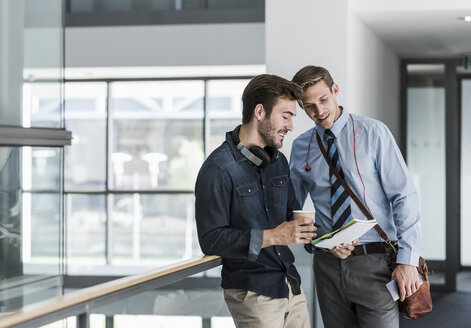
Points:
(265, 89)
(310, 75)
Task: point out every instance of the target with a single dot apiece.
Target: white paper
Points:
(393, 290)
(347, 235)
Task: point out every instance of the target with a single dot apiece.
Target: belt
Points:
(371, 248)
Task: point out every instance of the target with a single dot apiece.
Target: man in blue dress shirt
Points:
(244, 210)
(351, 278)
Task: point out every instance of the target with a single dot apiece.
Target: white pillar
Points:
(11, 61)
(331, 34)
(306, 32)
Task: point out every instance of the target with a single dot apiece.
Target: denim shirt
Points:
(235, 202)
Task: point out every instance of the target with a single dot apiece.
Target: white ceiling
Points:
(413, 28)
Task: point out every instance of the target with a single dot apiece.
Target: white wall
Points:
(306, 32)
(408, 5)
(373, 76)
(169, 45)
(328, 34)
(43, 35)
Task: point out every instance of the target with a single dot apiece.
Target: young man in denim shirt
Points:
(244, 204)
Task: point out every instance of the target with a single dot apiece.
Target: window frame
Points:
(161, 191)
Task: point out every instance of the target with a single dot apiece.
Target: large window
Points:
(432, 117)
(465, 172)
(151, 5)
(426, 151)
(156, 134)
(156, 12)
(130, 175)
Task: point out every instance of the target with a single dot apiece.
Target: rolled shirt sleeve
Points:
(256, 240)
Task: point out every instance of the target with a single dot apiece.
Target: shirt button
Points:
(279, 254)
(263, 186)
(266, 209)
(250, 190)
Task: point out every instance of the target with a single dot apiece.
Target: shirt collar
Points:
(337, 126)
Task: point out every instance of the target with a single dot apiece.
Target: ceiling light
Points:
(466, 18)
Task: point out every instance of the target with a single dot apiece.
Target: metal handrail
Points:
(44, 137)
(80, 303)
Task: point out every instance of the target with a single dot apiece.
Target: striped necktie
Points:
(339, 198)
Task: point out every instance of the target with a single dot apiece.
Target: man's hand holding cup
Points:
(306, 219)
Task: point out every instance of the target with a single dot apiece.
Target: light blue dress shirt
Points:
(389, 191)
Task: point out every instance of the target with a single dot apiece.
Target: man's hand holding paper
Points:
(344, 250)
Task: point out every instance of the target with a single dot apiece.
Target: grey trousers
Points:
(353, 293)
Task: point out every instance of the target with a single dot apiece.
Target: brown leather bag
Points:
(419, 304)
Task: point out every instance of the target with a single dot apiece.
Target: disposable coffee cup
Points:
(297, 214)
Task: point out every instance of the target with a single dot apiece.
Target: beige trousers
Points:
(251, 310)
